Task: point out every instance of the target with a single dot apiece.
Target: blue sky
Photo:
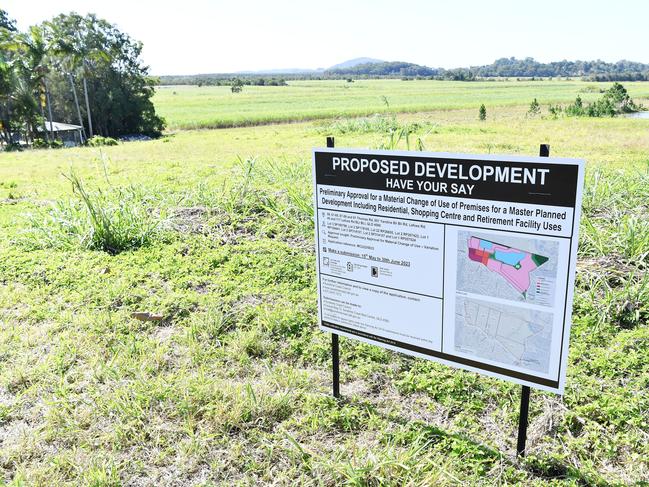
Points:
(199, 36)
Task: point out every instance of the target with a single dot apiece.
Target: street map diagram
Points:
(512, 268)
(504, 334)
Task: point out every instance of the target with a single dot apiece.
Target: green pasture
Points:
(212, 231)
(189, 107)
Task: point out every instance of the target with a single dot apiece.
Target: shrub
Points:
(576, 109)
(604, 107)
(619, 98)
(98, 141)
(237, 85)
(616, 100)
(47, 144)
(534, 109)
(482, 113)
(13, 147)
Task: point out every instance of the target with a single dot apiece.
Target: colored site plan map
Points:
(507, 267)
(512, 264)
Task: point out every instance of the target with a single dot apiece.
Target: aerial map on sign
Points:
(504, 334)
(516, 269)
(514, 265)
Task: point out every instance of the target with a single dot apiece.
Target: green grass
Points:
(112, 220)
(233, 386)
(189, 107)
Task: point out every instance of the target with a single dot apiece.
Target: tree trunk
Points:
(46, 135)
(10, 133)
(76, 102)
(29, 133)
(49, 110)
(85, 91)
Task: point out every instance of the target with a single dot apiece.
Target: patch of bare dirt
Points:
(614, 267)
(11, 201)
(200, 220)
(547, 423)
(201, 288)
(248, 301)
(191, 219)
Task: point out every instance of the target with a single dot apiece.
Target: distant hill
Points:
(280, 71)
(355, 62)
(346, 64)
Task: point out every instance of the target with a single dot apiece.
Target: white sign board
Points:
(464, 259)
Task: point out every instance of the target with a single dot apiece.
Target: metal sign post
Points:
(523, 418)
(335, 353)
(523, 421)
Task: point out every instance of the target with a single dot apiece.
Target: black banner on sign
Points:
(542, 183)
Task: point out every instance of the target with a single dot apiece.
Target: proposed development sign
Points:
(463, 259)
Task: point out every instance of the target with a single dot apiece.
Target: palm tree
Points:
(85, 94)
(35, 66)
(73, 42)
(7, 76)
(67, 57)
(24, 69)
(6, 22)
(7, 81)
(91, 56)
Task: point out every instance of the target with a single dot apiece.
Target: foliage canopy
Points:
(74, 69)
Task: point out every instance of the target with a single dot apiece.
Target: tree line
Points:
(529, 67)
(74, 69)
(383, 69)
(505, 68)
(501, 68)
(221, 80)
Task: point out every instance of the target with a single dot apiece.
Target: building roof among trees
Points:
(59, 127)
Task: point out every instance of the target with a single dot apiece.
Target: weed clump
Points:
(272, 188)
(394, 130)
(374, 124)
(111, 221)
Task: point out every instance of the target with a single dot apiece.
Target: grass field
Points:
(232, 385)
(189, 107)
